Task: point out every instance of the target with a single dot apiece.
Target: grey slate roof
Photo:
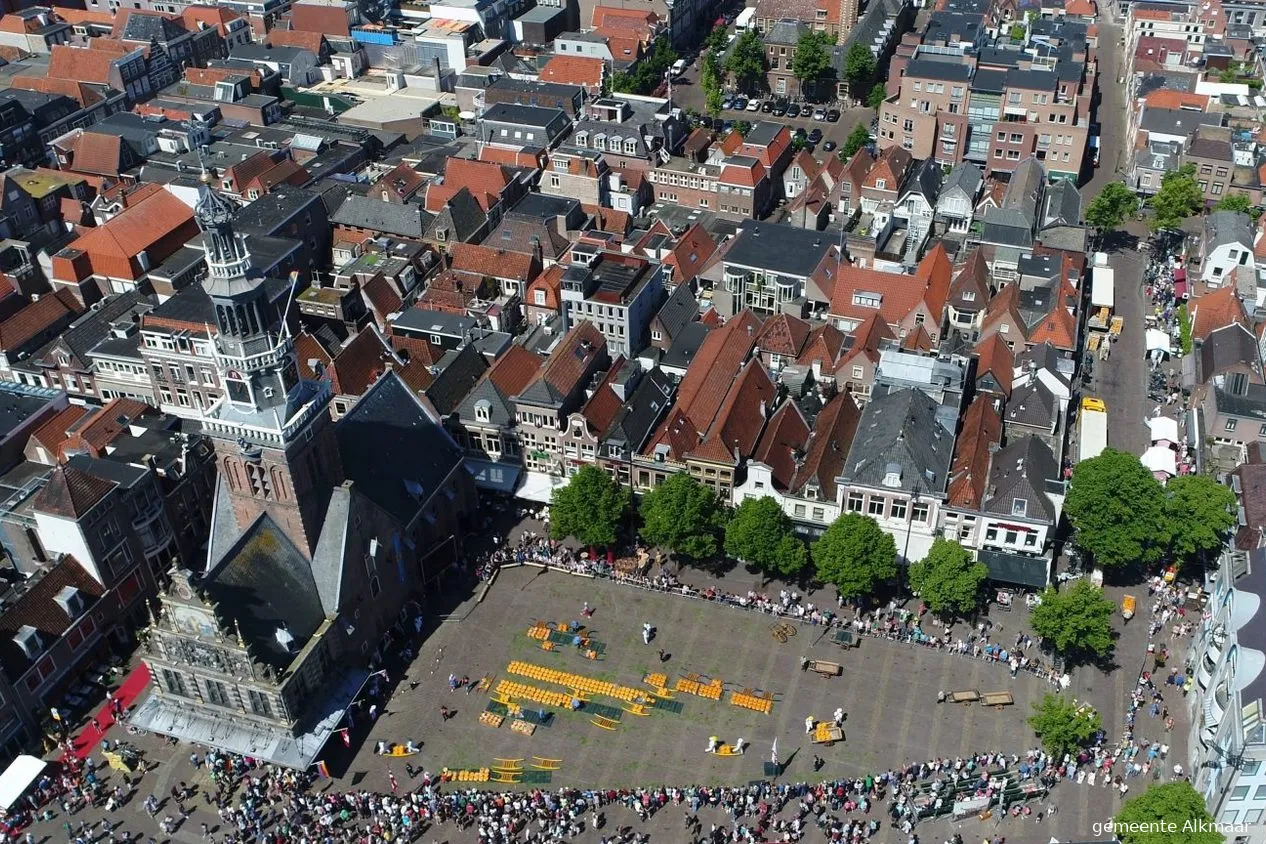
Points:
(94, 327)
(1062, 205)
(1047, 357)
(678, 309)
(945, 25)
(393, 450)
(989, 80)
(685, 345)
(363, 212)
(1019, 473)
(1159, 155)
(786, 32)
(462, 212)
(1228, 227)
(925, 180)
(899, 432)
(1033, 405)
(638, 416)
(940, 69)
(1172, 121)
(500, 408)
(270, 212)
(1226, 348)
(264, 582)
(457, 378)
(1031, 80)
(522, 115)
(1005, 227)
(784, 249)
(1024, 191)
(965, 177)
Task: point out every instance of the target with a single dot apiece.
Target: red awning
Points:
(1180, 288)
(1180, 274)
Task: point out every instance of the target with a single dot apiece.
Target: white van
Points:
(678, 68)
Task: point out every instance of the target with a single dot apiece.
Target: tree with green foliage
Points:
(1238, 202)
(1118, 509)
(622, 82)
(1115, 204)
(590, 508)
(683, 515)
(759, 533)
(948, 580)
(742, 127)
(648, 73)
(878, 93)
(746, 62)
(710, 81)
(859, 68)
(713, 101)
(1017, 32)
(855, 554)
(1076, 621)
(716, 39)
(812, 60)
(1173, 813)
(1199, 511)
(1062, 725)
(1179, 197)
(858, 138)
(1184, 330)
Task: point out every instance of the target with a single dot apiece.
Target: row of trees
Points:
(855, 554)
(1123, 516)
(648, 73)
(1178, 198)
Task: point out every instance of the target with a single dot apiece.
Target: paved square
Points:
(888, 692)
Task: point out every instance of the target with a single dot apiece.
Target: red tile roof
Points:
(823, 347)
(81, 63)
(70, 493)
(80, 92)
(514, 370)
(782, 444)
(783, 334)
(1215, 309)
(900, 294)
(741, 418)
(569, 362)
(493, 263)
(551, 281)
(712, 372)
(312, 41)
(97, 153)
(33, 320)
(601, 408)
(37, 608)
(574, 70)
(485, 179)
(994, 357)
(216, 16)
(1059, 328)
(56, 430)
(157, 220)
(969, 471)
(829, 442)
(104, 426)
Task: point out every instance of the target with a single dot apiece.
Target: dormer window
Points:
(881, 184)
(1020, 507)
(72, 601)
(29, 640)
(969, 296)
(892, 476)
(483, 410)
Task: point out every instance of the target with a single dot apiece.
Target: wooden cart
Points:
(997, 699)
(825, 668)
(964, 696)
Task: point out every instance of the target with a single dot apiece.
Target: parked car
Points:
(780, 108)
(819, 114)
(833, 115)
(767, 107)
(793, 110)
(754, 105)
(727, 103)
(739, 103)
(829, 146)
(815, 136)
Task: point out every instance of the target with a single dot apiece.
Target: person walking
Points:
(646, 633)
(808, 724)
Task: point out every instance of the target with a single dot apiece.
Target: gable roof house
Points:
(897, 468)
(1226, 251)
(956, 203)
(1020, 512)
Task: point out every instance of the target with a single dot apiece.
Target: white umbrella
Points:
(1158, 458)
(1158, 340)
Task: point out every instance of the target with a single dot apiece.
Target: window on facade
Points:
(260, 704)
(875, 507)
(261, 484)
(920, 513)
(854, 502)
(174, 683)
(819, 514)
(1011, 537)
(1230, 424)
(799, 511)
(1030, 539)
(217, 693)
(991, 535)
(898, 510)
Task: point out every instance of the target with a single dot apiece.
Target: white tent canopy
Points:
(1158, 458)
(1158, 341)
(1163, 428)
(18, 778)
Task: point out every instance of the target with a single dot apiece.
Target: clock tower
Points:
(274, 439)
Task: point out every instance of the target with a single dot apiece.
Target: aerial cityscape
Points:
(633, 421)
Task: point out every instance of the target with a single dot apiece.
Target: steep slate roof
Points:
(899, 430)
(970, 287)
(70, 493)
(459, 376)
(363, 212)
(678, 309)
(965, 177)
(391, 447)
(1019, 474)
(1227, 348)
(969, 473)
(1228, 227)
(1033, 405)
(511, 373)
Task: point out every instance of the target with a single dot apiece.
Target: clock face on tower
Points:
(183, 592)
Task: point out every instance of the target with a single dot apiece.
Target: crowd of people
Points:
(893, 622)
